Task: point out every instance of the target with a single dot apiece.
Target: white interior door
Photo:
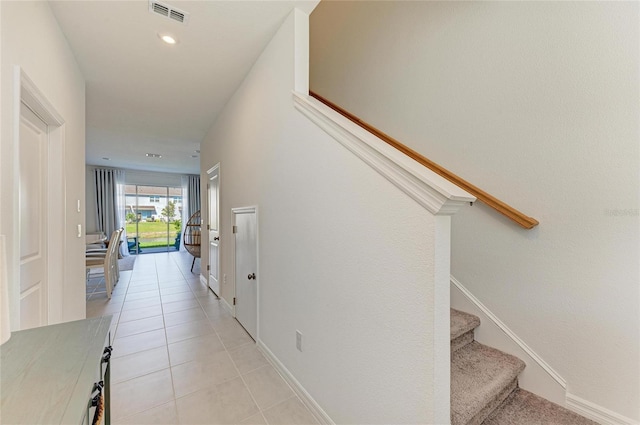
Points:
(214, 229)
(246, 253)
(33, 152)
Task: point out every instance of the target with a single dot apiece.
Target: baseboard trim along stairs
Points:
(484, 384)
(597, 413)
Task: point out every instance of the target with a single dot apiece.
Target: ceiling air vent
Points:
(176, 15)
(168, 12)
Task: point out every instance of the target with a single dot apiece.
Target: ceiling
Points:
(145, 96)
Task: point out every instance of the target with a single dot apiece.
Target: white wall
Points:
(343, 254)
(536, 103)
(32, 39)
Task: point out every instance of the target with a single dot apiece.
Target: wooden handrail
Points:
(504, 209)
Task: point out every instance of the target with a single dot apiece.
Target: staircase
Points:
(484, 385)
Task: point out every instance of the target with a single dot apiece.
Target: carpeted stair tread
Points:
(480, 377)
(462, 329)
(525, 408)
(462, 323)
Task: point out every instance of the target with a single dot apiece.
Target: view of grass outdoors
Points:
(154, 234)
(153, 216)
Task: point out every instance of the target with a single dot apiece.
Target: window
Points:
(177, 199)
(153, 224)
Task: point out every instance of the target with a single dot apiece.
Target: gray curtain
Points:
(109, 185)
(193, 193)
(190, 199)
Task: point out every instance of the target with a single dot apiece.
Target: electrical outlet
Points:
(299, 340)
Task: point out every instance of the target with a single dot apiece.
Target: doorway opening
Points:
(153, 217)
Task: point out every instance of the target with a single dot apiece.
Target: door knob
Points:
(251, 276)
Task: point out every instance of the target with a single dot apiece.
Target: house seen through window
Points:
(154, 218)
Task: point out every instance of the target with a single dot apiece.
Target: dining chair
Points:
(108, 260)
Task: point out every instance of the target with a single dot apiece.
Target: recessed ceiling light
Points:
(197, 151)
(168, 39)
(106, 159)
(194, 156)
(154, 155)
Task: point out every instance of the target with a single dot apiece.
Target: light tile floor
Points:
(180, 357)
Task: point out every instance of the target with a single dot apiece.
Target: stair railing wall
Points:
(508, 211)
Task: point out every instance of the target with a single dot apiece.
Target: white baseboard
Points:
(203, 280)
(538, 377)
(542, 380)
(597, 413)
(297, 388)
(228, 306)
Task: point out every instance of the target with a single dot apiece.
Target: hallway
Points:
(181, 358)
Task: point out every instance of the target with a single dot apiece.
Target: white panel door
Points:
(33, 219)
(214, 229)
(246, 269)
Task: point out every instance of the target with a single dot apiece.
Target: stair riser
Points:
(481, 378)
(489, 408)
(484, 384)
(461, 341)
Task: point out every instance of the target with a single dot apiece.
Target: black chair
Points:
(132, 244)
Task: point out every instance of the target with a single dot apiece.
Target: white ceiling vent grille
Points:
(168, 12)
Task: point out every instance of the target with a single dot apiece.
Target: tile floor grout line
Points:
(141, 376)
(175, 397)
(124, 299)
(254, 369)
(245, 385)
(146, 410)
(196, 290)
(166, 338)
(166, 345)
(282, 401)
(226, 350)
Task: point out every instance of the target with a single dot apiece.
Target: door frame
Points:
(25, 91)
(234, 213)
(210, 172)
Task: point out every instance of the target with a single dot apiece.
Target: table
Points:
(95, 238)
(48, 375)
